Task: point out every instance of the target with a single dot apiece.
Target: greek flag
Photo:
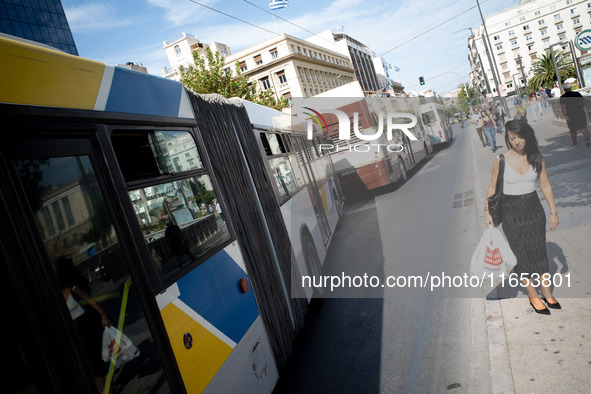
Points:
(340, 28)
(277, 4)
(396, 69)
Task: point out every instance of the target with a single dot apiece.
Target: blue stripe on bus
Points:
(138, 93)
(231, 312)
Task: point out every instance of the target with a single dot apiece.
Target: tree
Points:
(544, 72)
(209, 76)
(467, 96)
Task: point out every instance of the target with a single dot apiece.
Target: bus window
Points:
(429, 117)
(181, 220)
(284, 177)
(159, 152)
(76, 228)
(276, 144)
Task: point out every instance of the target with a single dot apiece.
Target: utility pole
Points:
(521, 68)
(492, 62)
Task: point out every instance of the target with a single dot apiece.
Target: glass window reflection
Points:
(181, 221)
(76, 227)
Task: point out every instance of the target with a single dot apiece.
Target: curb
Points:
(500, 364)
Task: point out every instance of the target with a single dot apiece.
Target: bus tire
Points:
(312, 261)
(402, 168)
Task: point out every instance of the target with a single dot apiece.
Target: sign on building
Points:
(583, 40)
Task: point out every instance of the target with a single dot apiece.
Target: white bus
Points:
(370, 163)
(436, 121)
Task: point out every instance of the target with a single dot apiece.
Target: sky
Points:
(420, 37)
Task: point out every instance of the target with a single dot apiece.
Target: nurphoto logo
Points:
(346, 123)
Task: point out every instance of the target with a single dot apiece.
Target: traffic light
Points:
(421, 80)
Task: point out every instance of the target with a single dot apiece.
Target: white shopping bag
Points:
(493, 254)
(125, 351)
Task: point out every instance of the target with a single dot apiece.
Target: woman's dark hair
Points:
(523, 130)
(68, 275)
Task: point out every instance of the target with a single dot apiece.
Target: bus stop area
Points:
(530, 352)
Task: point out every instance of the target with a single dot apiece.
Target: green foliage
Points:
(466, 94)
(208, 76)
(544, 73)
(202, 195)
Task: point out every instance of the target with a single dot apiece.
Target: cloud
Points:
(182, 12)
(92, 17)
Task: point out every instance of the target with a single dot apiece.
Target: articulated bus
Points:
(366, 164)
(129, 201)
(436, 121)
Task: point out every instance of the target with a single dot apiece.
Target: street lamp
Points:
(491, 59)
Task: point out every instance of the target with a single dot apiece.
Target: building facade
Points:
(293, 67)
(135, 67)
(180, 49)
(41, 21)
(360, 56)
(518, 35)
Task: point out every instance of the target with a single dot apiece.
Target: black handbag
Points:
(496, 200)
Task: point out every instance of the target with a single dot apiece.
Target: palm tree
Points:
(544, 73)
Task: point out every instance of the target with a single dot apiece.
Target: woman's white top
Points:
(76, 310)
(515, 184)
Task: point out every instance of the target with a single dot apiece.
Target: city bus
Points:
(436, 121)
(367, 164)
(129, 201)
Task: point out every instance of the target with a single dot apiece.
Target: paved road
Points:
(402, 339)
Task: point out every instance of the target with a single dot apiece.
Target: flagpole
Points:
(275, 24)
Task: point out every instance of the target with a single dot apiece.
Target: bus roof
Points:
(269, 118)
(39, 76)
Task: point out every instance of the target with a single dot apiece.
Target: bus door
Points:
(72, 219)
(307, 154)
(408, 144)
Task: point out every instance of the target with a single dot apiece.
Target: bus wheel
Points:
(402, 168)
(312, 261)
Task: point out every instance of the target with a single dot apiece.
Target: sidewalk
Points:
(529, 352)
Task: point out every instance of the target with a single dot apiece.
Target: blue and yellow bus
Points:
(129, 201)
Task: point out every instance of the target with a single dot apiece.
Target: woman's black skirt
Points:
(524, 225)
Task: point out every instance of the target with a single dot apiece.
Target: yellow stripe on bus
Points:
(46, 77)
(199, 364)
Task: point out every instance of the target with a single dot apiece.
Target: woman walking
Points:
(533, 107)
(520, 111)
(524, 220)
(488, 123)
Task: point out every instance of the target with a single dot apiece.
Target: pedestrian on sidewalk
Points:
(488, 124)
(572, 105)
(555, 90)
(498, 117)
(477, 122)
(524, 219)
(533, 107)
(544, 97)
(520, 111)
